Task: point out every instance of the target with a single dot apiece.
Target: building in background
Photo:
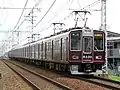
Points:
(113, 49)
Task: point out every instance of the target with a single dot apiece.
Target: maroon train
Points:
(77, 50)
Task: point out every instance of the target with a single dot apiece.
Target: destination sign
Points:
(98, 35)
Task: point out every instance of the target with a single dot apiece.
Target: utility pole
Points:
(103, 27)
(103, 14)
(32, 21)
(31, 16)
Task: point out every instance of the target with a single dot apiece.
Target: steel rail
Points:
(24, 78)
(64, 87)
(99, 81)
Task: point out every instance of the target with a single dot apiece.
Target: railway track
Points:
(115, 85)
(24, 78)
(107, 83)
(37, 81)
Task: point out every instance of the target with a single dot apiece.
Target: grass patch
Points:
(116, 78)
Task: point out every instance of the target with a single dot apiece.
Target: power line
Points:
(88, 6)
(61, 8)
(45, 13)
(21, 14)
(30, 12)
(85, 8)
(16, 8)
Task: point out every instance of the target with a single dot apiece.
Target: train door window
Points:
(28, 52)
(42, 46)
(49, 46)
(56, 45)
(87, 44)
(98, 42)
(45, 50)
(61, 48)
(34, 51)
(25, 52)
(38, 51)
(52, 48)
(75, 40)
(31, 50)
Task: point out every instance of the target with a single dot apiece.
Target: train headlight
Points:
(98, 57)
(75, 57)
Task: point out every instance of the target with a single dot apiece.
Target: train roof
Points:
(58, 33)
(53, 35)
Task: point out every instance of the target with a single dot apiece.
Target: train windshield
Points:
(75, 40)
(98, 41)
(87, 44)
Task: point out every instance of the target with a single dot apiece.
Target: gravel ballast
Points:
(9, 80)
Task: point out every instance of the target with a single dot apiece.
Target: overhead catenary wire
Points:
(25, 19)
(45, 14)
(30, 12)
(88, 6)
(61, 9)
(17, 27)
(52, 18)
(56, 14)
(5, 8)
(84, 8)
(52, 6)
(20, 15)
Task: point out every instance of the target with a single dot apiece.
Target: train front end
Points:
(87, 51)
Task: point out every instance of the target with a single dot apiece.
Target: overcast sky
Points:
(59, 12)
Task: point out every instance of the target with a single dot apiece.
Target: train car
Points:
(76, 50)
